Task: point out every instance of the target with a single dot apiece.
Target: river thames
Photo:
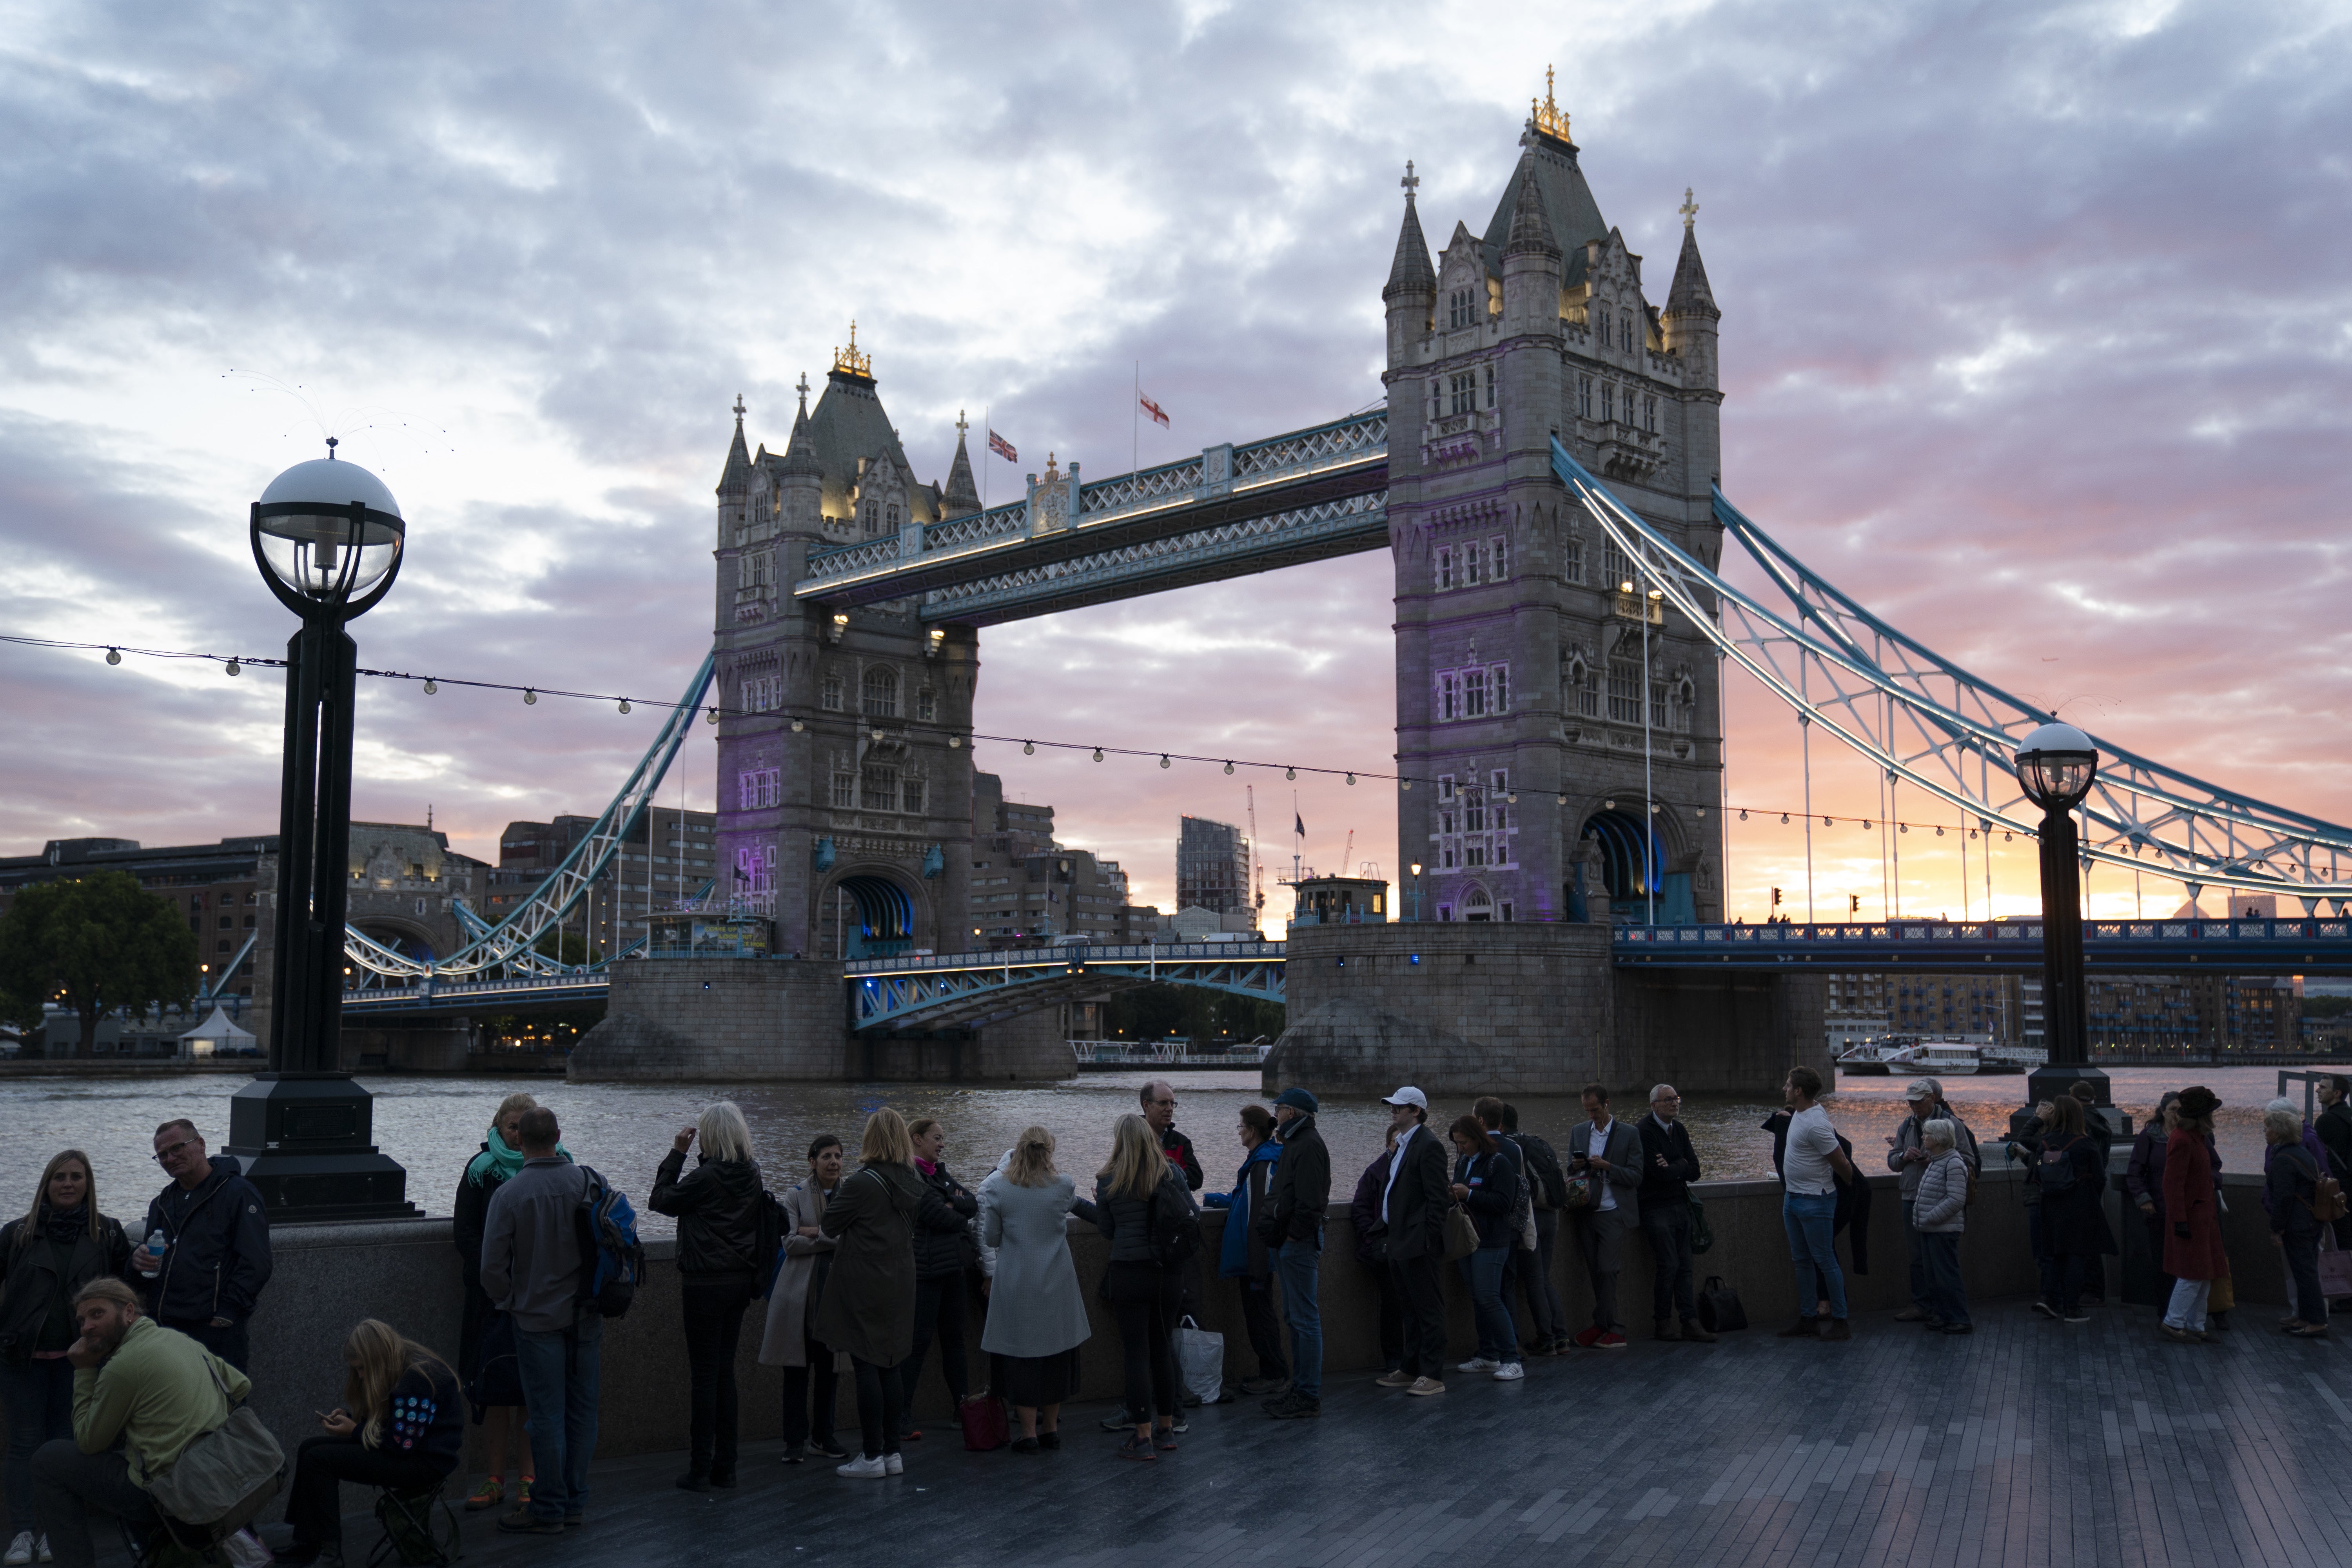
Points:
(433, 1125)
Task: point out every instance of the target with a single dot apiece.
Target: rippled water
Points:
(433, 1125)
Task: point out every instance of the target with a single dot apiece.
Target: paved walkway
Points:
(2031, 1442)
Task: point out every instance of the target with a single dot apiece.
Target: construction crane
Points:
(1257, 865)
(1349, 850)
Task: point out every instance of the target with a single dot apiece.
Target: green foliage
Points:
(2326, 1007)
(565, 947)
(95, 943)
(1154, 1011)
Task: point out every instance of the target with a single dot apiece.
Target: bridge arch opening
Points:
(1634, 870)
(872, 914)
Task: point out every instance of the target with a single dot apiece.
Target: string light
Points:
(1229, 767)
(431, 686)
(114, 655)
(1098, 753)
(710, 716)
(530, 698)
(1290, 772)
(624, 705)
(1029, 748)
(1163, 759)
(1351, 781)
(234, 669)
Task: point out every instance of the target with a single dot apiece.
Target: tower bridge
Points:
(1545, 472)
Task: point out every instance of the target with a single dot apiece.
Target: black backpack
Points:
(1173, 1224)
(2058, 1168)
(1547, 1182)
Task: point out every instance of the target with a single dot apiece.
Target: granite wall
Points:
(1528, 1008)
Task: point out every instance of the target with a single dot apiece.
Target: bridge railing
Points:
(2025, 931)
(1075, 953)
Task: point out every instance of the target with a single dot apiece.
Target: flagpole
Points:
(987, 424)
(1135, 422)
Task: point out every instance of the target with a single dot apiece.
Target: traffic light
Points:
(1776, 898)
(1853, 903)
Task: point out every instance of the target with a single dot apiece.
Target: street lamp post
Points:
(1415, 870)
(2057, 764)
(328, 538)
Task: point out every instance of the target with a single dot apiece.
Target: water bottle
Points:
(157, 1242)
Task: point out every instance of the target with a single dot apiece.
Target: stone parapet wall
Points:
(1528, 1008)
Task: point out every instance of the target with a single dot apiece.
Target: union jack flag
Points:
(1158, 414)
(1002, 448)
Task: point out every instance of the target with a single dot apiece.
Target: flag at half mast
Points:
(1158, 414)
(1002, 448)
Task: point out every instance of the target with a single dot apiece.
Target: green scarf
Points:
(496, 1159)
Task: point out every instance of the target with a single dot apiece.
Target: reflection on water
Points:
(433, 1125)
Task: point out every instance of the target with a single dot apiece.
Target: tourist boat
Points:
(1937, 1059)
(1868, 1059)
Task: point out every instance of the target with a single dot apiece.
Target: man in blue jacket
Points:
(206, 1279)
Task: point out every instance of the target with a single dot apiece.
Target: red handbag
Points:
(984, 1424)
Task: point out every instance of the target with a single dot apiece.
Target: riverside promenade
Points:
(2028, 1443)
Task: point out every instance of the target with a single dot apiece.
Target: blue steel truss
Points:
(971, 989)
(2125, 947)
(511, 944)
(1304, 495)
(1930, 723)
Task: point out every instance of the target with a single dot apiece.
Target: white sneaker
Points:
(20, 1550)
(1509, 1372)
(894, 1464)
(862, 1469)
(44, 1550)
(1478, 1363)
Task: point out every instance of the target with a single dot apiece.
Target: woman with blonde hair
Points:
(61, 1244)
(1143, 1208)
(868, 1309)
(1036, 1314)
(400, 1428)
(487, 1370)
(717, 1206)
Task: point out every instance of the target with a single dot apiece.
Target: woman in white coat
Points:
(1037, 1313)
(810, 1367)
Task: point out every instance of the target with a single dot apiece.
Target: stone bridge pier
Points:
(1462, 1008)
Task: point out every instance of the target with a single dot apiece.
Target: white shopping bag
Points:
(1201, 1357)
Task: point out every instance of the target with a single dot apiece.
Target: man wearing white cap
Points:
(1414, 1206)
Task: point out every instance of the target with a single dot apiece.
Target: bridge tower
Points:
(1521, 678)
(844, 811)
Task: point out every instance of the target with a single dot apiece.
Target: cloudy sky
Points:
(2035, 337)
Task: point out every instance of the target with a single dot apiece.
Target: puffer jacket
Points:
(1301, 1189)
(1242, 1255)
(717, 1206)
(1125, 1220)
(944, 1244)
(1941, 1201)
(31, 1286)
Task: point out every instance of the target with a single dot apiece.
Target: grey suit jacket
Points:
(1623, 1152)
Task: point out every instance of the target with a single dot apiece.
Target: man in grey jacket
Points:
(533, 1269)
(1609, 1152)
(1907, 1159)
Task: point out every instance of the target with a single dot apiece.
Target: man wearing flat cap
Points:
(1293, 1225)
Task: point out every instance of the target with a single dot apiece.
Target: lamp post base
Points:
(304, 1141)
(2060, 1077)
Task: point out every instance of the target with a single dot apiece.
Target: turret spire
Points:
(1412, 272)
(735, 480)
(963, 491)
(1530, 221)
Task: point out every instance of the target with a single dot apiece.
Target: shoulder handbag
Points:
(1720, 1310)
(985, 1429)
(2335, 1266)
(1461, 1234)
(1702, 1234)
(224, 1478)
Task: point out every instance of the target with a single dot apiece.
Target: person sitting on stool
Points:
(401, 1427)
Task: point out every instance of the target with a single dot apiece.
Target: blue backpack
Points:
(608, 1238)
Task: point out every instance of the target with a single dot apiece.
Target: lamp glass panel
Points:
(313, 553)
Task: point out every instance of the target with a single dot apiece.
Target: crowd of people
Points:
(120, 1351)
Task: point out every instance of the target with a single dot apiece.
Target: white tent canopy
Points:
(218, 1032)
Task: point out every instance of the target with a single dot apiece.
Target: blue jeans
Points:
(1498, 1336)
(1812, 1223)
(1298, 1264)
(560, 1380)
(40, 1407)
(1939, 1254)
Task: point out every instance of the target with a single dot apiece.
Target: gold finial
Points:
(1547, 115)
(1689, 209)
(1051, 472)
(960, 425)
(849, 360)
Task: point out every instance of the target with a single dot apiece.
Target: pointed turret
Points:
(1531, 233)
(1410, 272)
(735, 480)
(963, 493)
(1690, 294)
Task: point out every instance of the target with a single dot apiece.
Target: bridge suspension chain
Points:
(511, 944)
(1924, 720)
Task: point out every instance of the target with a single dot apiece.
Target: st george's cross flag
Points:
(1002, 448)
(1158, 414)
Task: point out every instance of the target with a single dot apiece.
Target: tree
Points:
(95, 943)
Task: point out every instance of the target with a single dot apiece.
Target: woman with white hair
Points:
(2291, 1173)
(1939, 1213)
(717, 1206)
